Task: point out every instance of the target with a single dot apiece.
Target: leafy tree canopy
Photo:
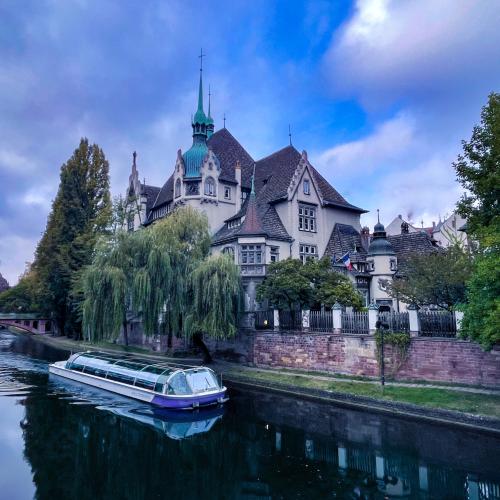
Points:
(435, 279)
(290, 283)
(478, 170)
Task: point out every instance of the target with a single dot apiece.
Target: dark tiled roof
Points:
(229, 151)
(274, 173)
(268, 224)
(165, 194)
(252, 224)
(151, 193)
(409, 244)
(345, 239)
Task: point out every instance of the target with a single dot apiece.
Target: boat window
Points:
(145, 384)
(121, 374)
(202, 380)
(178, 384)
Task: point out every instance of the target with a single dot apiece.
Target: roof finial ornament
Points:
(134, 156)
(224, 120)
(201, 56)
(378, 215)
(290, 134)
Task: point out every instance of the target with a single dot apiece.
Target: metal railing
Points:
(264, 320)
(355, 323)
(437, 324)
(290, 320)
(321, 321)
(397, 322)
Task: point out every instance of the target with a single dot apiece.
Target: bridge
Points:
(28, 322)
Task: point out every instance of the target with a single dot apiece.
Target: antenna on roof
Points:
(290, 134)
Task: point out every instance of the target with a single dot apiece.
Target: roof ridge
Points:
(277, 152)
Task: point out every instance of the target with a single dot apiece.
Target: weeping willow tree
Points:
(106, 286)
(215, 292)
(163, 275)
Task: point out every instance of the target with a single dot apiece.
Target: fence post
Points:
(337, 318)
(372, 317)
(306, 316)
(276, 317)
(459, 316)
(413, 320)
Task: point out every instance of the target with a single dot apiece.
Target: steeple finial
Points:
(290, 134)
(224, 120)
(252, 192)
(200, 89)
(209, 96)
(378, 215)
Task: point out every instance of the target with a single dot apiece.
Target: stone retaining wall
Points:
(440, 360)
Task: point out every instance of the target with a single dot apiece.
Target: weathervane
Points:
(201, 56)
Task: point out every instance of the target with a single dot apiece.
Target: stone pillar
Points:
(342, 454)
(459, 316)
(306, 315)
(337, 318)
(276, 317)
(413, 320)
(372, 317)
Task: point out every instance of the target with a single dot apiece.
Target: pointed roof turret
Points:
(380, 245)
(252, 224)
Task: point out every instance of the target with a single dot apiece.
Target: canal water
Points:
(62, 440)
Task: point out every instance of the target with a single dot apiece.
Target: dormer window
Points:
(227, 193)
(307, 186)
(210, 187)
(394, 265)
(177, 188)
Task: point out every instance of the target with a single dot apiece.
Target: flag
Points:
(347, 261)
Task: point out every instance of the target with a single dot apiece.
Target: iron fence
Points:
(264, 320)
(321, 321)
(355, 322)
(397, 322)
(437, 324)
(290, 320)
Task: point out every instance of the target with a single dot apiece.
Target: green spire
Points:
(199, 117)
(200, 94)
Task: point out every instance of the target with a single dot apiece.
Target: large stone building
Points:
(267, 210)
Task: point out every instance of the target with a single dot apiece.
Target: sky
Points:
(380, 93)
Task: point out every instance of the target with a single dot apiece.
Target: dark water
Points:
(61, 440)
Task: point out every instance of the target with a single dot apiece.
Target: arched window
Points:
(210, 187)
(177, 188)
(228, 251)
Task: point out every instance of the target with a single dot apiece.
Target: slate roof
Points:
(165, 194)
(409, 244)
(229, 151)
(345, 239)
(274, 173)
(151, 193)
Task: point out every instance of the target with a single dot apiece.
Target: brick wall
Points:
(440, 360)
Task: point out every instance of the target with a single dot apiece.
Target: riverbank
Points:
(469, 407)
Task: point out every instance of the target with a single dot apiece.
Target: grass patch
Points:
(477, 404)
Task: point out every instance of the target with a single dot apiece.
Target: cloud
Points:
(426, 50)
(389, 142)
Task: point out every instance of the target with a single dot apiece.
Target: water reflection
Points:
(84, 443)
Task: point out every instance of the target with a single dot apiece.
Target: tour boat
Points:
(161, 384)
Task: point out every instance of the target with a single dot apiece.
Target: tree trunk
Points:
(198, 342)
(125, 332)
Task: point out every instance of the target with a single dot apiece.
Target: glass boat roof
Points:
(141, 372)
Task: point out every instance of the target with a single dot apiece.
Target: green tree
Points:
(80, 214)
(106, 286)
(436, 279)
(481, 321)
(478, 170)
(22, 297)
(289, 284)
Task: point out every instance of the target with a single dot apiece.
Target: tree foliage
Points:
(289, 284)
(80, 214)
(164, 275)
(478, 170)
(21, 298)
(436, 279)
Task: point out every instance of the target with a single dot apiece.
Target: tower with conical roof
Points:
(202, 126)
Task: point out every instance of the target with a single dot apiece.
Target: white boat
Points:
(161, 384)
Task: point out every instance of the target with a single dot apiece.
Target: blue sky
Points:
(380, 93)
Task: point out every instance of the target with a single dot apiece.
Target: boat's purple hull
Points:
(189, 401)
